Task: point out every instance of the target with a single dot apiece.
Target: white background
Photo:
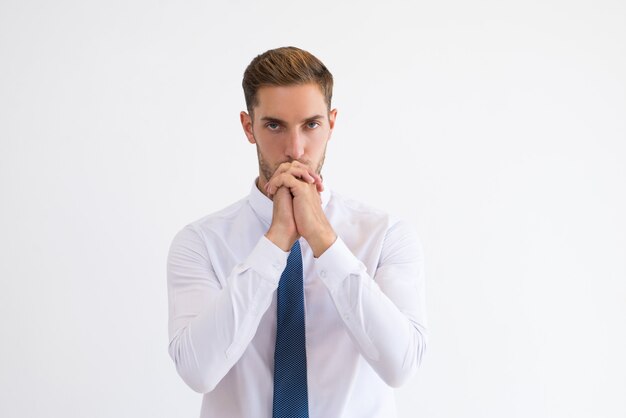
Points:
(497, 128)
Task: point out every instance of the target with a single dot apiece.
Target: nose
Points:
(295, 145)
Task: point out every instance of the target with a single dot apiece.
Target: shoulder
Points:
(357, 212)
(214, 223)
(364, 220)
(225, 216)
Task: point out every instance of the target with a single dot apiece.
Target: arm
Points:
(211, 325)
(385, 315)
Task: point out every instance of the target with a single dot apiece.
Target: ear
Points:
(246, 124)
(332, 115)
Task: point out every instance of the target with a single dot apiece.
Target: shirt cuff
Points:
(268, 260)
(337, 263)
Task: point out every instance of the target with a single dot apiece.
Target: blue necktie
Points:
(290, 387)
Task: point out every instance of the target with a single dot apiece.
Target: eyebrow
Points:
(277, 120)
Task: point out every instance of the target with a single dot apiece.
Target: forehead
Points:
(290, 102)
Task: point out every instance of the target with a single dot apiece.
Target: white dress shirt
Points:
(366, 329)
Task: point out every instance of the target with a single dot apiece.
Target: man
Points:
(295, 301)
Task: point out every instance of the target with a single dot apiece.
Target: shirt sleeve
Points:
(385, 315)
(211, 325)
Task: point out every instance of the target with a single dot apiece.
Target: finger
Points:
(283, 180)
(303, 170)
(301, 173)
(267, 190)
(298, 173)
(282, 193)
(282, 168)
(319, 183)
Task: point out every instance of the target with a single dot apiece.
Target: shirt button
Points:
(323, 273)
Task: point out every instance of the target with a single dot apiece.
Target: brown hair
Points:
(285, 66)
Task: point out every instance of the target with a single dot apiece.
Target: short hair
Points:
(285, 66)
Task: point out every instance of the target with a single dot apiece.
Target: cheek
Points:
(317, 142)
(268, 145)
(315, 149)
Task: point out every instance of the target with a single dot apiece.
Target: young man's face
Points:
(290, 123)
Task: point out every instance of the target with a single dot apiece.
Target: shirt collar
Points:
(264, 207)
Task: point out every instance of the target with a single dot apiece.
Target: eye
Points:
(312, 125)
(272, 126)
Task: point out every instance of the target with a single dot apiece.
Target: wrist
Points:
(322, 241)
(282, 240)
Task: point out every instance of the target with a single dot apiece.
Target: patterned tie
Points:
(290, 387)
